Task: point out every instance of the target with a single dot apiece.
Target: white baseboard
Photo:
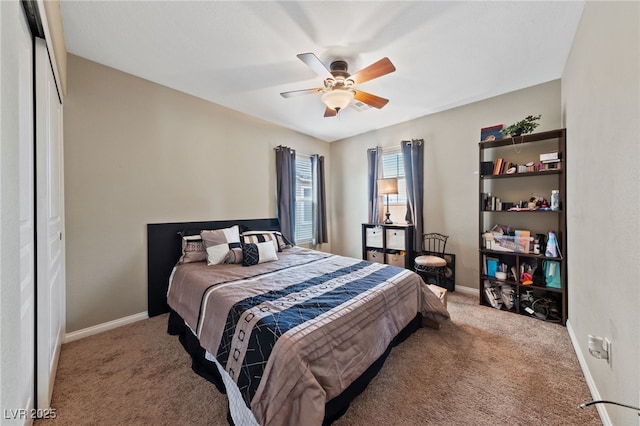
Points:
(467, 290)
(602, 411)
(90, 331)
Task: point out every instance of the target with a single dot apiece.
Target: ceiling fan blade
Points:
(369, 99)
(293, 93)
(375, 70)
(330, 112)
(315, 64)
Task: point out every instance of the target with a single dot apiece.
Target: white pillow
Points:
(217, 254)
(267, 252)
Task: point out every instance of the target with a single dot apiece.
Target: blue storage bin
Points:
(492, 267)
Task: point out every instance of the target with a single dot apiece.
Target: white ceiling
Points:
(242, 54)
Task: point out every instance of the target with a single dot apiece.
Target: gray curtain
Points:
(286, 191)
(374, 160)
(319, 211)
(413, 158)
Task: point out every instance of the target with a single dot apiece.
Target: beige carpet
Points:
(486, 367)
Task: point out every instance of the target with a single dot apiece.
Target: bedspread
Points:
(294, 333)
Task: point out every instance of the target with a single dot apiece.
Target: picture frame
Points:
(491, 133)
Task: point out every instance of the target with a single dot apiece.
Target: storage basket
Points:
(375, 256)
(373, 237)
(396, 259)
(508, 243)
(396, 239)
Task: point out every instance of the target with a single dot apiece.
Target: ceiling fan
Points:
(339, 86)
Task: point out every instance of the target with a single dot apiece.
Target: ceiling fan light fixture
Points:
(339, 86)
(337, 99)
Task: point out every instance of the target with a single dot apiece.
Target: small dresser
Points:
(390, 244)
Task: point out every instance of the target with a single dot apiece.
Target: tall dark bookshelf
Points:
(513, 190)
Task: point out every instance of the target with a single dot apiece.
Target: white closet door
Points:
(27, 220)
(49, 217)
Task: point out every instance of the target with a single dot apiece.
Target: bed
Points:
(291, 341)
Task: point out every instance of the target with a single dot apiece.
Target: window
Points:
(304, 199)
(392, 167)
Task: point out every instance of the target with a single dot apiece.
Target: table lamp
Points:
(386, 187)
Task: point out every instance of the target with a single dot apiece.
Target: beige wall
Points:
(137, 153)
(55, 37)
(451, 170)
(601, 109)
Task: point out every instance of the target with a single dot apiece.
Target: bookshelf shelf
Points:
(518, 140)
(529, 255)
(521, 211)
(545, 298)
(522, 175)
(529, 286)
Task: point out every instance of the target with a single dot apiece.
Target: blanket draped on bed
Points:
(294, 333)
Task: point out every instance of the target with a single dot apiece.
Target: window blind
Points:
(304, 200)
(393, 167)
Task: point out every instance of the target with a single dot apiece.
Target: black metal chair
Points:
(431, 262)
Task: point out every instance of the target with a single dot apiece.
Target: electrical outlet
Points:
(599, 347)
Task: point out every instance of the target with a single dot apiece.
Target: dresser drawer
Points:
(396, 239)
(373, 237)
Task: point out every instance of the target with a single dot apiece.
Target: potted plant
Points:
(527, 125)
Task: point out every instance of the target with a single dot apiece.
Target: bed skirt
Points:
(334, 408)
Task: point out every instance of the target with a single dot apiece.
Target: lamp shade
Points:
(388, 186)
(337, 99)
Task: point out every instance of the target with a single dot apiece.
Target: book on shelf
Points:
(497, 167)
(550, 156)
(488, 202)
(486, 168)
(540, 166)
(555, 165)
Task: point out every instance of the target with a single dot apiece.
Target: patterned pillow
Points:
(255, 237)
(230, 237)
(283, 243)
(193, 249)
(252, 254)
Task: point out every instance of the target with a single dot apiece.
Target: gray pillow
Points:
(193, 249)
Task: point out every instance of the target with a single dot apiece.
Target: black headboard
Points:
(164, 247)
